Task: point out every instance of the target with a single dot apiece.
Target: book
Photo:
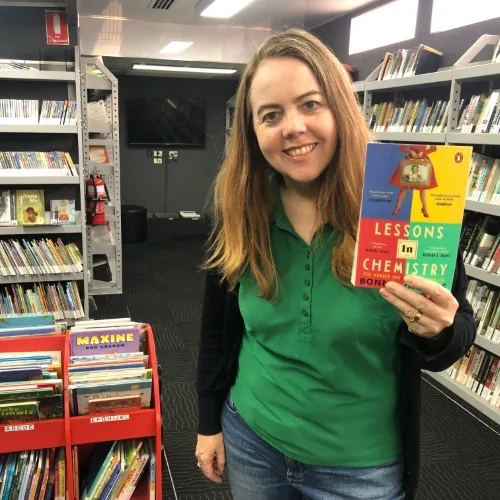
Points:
(62, 212)
(411, 213)
(8, 215)
(30, 205)
(105, 341)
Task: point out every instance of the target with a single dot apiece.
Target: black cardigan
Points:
(221, 335)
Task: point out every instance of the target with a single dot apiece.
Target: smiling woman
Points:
(308, 386)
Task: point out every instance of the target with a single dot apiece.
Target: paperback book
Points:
(62, 212)
(30, 205)
(411, 213)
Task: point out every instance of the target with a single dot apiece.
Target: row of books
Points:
(479, 241)
(36, 163)
(29, 112)
(409, 62)
(114, 470)
(480, 114)
(27, 207)
(31, 386)
(33, 475)
(479, 370)
(484, 179)
(421, 115)
(484, 300)
(62, 301)
(39, 257)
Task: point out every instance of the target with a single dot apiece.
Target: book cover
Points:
(18, 412)
(30, 205)
(411, 213)
(62, 212)
(105, 341)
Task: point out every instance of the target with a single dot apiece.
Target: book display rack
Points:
(85, 431)
(453, 90)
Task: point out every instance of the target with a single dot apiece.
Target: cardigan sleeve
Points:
(440, 353)
(211, 380)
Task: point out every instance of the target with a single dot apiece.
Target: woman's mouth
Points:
(302, 151)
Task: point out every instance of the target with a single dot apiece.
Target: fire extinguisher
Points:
(97, 197)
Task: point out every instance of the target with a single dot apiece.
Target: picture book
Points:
(105, 341)
(62, 212)
(8, 215)
(411, 213)
(30, 205)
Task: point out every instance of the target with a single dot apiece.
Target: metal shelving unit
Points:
(463, 71)
(95, 76)
(467, 395)
(71, 78)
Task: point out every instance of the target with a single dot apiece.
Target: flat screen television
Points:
(166, 122)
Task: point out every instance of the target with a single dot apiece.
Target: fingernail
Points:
(409, 280)
(384, 293)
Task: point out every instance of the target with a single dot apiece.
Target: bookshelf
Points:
(467, 395)
(69, 81)
(447, 83)
(96, 77)
(74, 431)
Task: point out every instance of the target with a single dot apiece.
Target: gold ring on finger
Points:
(414, 319)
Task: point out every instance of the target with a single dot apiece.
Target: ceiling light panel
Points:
(184, 69)
(175, 47)
(223, 9)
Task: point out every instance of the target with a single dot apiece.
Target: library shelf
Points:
(410, 137)
(103, 287)
(480, 274)
(467, 395)
(100, 142)
(477, 71)
(487, 345)
(38, 278)
(357, 86)
(38, 179)
(38, 129)
(103, 248)
(484, 208)
(486, 139)
(99, 127)
(41, 229)
(54, 76)
(427, 79)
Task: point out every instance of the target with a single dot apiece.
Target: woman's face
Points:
(295, 128)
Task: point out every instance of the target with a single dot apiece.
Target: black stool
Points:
(134, 223)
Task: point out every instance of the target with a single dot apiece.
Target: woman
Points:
(308, 386)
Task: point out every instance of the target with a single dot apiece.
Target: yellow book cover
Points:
(30, 205)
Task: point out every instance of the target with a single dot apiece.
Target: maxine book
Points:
(411, 213)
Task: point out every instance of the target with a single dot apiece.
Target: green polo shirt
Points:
(319, 367)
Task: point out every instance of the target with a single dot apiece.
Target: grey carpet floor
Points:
(163, 286)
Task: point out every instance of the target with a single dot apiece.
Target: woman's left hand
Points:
(428, 313)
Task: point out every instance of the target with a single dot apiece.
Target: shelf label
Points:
(19, 428)
(109, 418)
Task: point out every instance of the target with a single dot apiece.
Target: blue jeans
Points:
(259, 472)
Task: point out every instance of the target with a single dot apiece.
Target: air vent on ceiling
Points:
(162, 4)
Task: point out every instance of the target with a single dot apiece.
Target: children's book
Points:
(30, 205)
(411, 213)
(62, 212)
(105, 341)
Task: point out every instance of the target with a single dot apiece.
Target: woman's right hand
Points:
(211, 457)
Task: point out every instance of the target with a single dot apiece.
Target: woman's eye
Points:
(270, 117)
(311, 105)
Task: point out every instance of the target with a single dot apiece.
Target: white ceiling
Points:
(131, 29)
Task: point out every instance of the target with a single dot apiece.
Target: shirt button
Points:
(304, 312)
(307, 282)
(308, 255)
(305, 296)
(308, 267)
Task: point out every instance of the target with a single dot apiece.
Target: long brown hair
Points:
(242, 196)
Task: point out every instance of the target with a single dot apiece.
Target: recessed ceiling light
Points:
(184, 69)
(175, 47)
(221, 8)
